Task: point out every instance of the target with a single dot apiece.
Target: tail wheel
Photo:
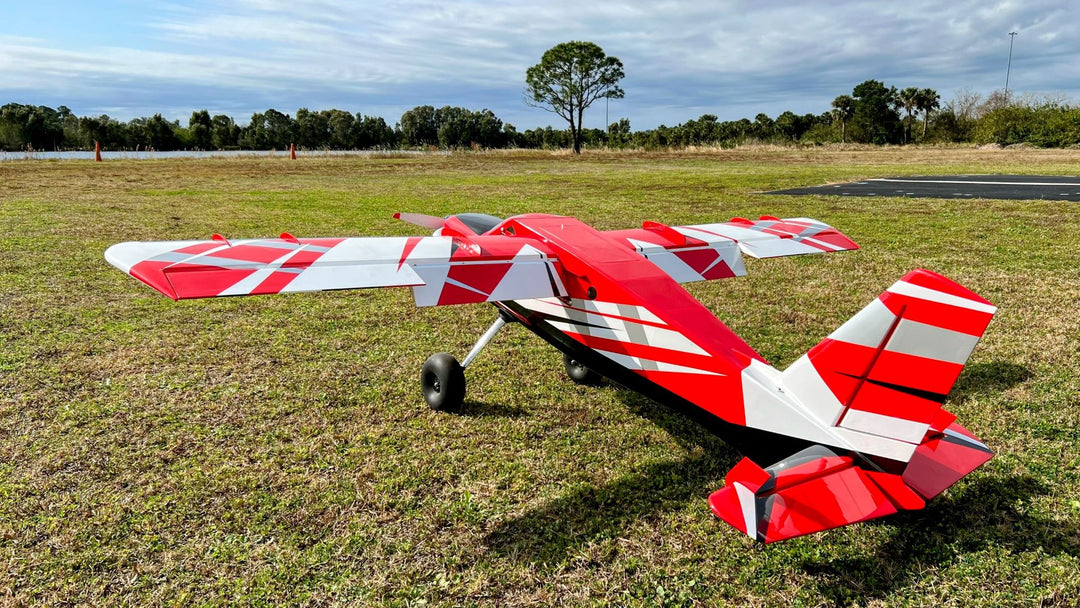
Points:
(442, 380)
(578, 372)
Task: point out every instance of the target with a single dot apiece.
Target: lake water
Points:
(151, 155)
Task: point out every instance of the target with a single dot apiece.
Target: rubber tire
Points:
(442, 380)
(578, 372)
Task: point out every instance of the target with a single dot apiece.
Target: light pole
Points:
(1012, 37)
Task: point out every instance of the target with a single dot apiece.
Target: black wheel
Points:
(578, 372)
(443, 381)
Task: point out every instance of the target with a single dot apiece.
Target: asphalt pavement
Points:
(1020, 187)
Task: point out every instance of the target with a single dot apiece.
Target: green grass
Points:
(276, 450)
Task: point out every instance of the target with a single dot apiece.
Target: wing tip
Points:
(131, 258)
(115, 255)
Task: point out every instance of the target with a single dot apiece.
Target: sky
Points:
(129, 58)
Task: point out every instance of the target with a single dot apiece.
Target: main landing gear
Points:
(442, 378)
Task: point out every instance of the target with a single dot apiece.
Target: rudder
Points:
(890, 367)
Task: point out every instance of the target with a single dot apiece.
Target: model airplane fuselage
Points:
(854, 428)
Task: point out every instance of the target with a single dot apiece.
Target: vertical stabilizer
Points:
(887, 371)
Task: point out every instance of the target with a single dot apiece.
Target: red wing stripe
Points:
(819, 243)
(931, 375)
(939, 314)
(191, 258)
(931, 280)
(456, 283)
(410, 244)
(250, 283)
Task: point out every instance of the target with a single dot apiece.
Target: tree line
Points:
(873, 113)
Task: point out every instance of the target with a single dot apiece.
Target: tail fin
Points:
(886, 372)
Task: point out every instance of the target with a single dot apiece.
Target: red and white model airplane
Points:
(851, 431)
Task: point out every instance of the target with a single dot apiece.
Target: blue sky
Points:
(682, 59)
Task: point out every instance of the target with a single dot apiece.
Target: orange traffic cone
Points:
(292, 151)
(97, 151)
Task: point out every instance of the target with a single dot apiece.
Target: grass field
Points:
(276, 450)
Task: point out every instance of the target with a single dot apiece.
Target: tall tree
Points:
(312, 129)
(160, 134)
(789, 125)
(341, 125)
(569, 78)
(200, 129)
(373, 132)
(619, 132)
(763, 126)
(843, 110)
(419, 126)
(224, 133)
(909, 100)
(926, 101)
(875, 120)
(253, 136)
(280, 129)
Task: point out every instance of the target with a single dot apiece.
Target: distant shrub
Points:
(1047, 126)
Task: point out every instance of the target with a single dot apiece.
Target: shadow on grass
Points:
(988, 378)
(479, 409)
(979, 516)
(549, 534)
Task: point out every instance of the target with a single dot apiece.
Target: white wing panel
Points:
(358, 263)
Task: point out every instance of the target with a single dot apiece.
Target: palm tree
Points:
(908, 99)
(927, 101)
(843, 110)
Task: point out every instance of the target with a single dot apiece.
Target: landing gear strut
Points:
(442, 378)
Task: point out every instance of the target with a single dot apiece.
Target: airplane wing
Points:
(714, 251)
(459, 266)
(872, 391)
(441, 270)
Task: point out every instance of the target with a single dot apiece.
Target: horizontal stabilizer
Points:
(818, 489)
(943, 459)
(714, 251)
(811, 491)
(771, 237)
